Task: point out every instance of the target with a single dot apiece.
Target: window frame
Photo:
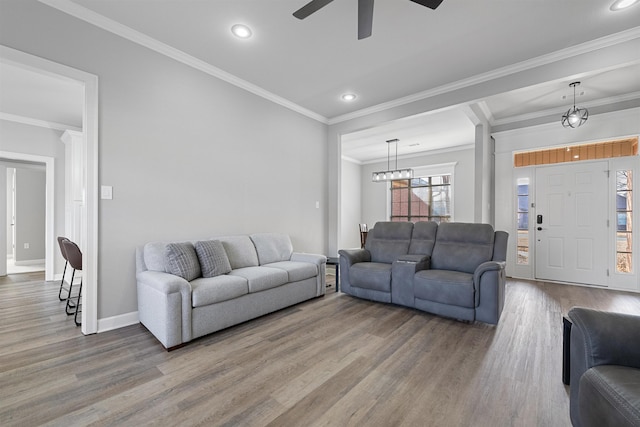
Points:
(428, 171)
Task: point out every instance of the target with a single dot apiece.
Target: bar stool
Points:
(66, 261)
(75, 259)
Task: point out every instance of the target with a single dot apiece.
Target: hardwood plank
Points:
(336, 360)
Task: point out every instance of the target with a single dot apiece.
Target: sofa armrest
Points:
(423, 260)
(354, 256)
(349, 257)
(489, 281)
(321, 262)
(402, 272)
(600, 338)
(605, 338)
(311, 258)
(164, 306)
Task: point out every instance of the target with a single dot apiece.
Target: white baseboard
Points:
(29, 262)
(120, 321)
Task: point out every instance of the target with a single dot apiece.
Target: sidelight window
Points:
(522, 220)
(624, 221)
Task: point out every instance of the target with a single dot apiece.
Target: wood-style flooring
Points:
(331, 361)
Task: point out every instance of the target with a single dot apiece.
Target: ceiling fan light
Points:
(574, 117)
(622, 4)
(241, 31)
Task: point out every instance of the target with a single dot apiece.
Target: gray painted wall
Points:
(189, 156)
(351, 204)
(30, 215)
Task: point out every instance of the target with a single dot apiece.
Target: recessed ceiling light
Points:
(348, 97)
(622, 4)
(241, 31)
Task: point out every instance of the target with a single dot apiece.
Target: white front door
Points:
(571, 223)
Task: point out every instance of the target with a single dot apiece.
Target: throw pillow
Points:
(182, 260)
(213, 258)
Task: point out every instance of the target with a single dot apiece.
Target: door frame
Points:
(90, 136)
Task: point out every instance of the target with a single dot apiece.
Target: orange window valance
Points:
(575, 153)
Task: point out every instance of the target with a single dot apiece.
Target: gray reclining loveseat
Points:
(453, 269)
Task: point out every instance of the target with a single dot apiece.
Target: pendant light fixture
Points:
(389, 174)
(574, 117)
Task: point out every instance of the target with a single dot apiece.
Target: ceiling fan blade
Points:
(365, 18)
(311, 7)
(431, 4)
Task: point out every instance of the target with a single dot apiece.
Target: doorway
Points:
(89, 218)
(571, 234)
(25, 216)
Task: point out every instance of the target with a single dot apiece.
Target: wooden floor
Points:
(332, 361)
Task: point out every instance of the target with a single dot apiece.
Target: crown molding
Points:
(590, 46)
(101, 21)
(39, 123)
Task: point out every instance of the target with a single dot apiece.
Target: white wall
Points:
(26, 139)
(351, 205)
(189, 156)
(375, 195)
(30, 215)
(602, 127)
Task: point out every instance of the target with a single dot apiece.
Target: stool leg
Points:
(70, 303)
(62, 282)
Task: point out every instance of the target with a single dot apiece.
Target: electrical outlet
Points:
(26, 246)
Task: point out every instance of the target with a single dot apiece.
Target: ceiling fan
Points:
(365, 12)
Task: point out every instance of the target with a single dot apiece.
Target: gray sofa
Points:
(190, 289)
(604, 368)
(453, 269)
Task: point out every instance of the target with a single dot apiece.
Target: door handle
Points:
(539, 228)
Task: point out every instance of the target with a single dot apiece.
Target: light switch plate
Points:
(106, 192)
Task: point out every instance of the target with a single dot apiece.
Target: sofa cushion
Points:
(445, 287)
(388, 241)
(261, 278)
(371, 275)
(296, 270)
(211, 290)
(213, 258)
(182, 260)
(155, 257)
(423, 237)
(240, 251)
(272, 247)
(610, 396)
(462, 246)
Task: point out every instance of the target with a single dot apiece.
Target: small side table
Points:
(335, 261)
(566, 350)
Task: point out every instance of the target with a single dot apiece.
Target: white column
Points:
(74, 186)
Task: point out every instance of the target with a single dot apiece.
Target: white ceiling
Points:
(308, 64)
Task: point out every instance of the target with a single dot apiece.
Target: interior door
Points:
(571, 223)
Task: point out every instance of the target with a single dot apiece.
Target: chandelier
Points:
(574, 117)
(389, 174)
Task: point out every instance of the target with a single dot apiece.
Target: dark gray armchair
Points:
(605, 368)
